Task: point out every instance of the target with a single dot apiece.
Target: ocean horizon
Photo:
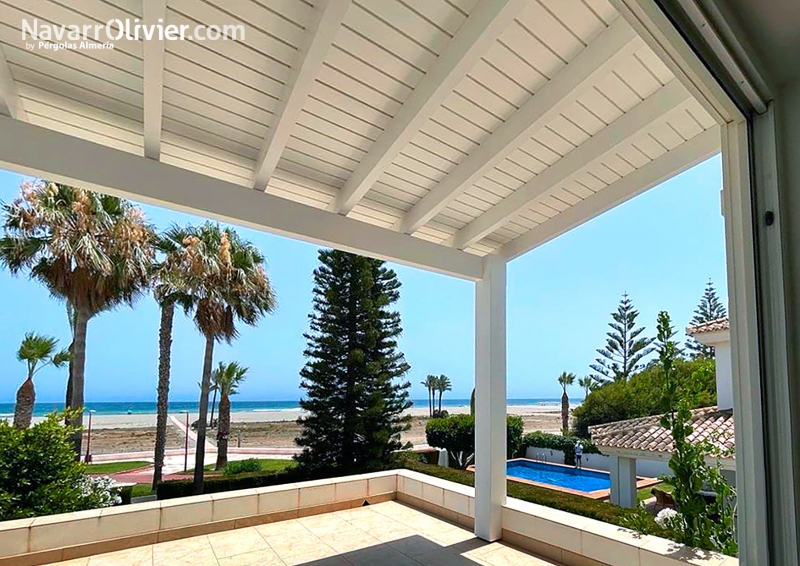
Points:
(149, 407)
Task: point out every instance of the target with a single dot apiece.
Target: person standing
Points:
(579, 455)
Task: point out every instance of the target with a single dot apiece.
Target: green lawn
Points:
(142, 489)
(115, 467)
(646, 492)
(267, 465)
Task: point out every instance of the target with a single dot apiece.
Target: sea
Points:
(131, 408)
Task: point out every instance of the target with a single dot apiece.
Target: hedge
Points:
(216, 484)
(583, 506)
(456, 434)
(566, 444)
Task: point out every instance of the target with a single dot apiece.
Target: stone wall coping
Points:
(569, 538)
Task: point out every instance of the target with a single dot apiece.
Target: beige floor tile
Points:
(453, 535)
(357, 513)
(382, 555)
(317, 555)
(141, 556)
(265, 557)
(415, 545)
(204, 557)
(323, 524)
(195, 551)
(350, 539)
(239, 541)
(287, 528)
(509, 556)
(73, 562)
(312, 560)
(291, 546)
(445, 557)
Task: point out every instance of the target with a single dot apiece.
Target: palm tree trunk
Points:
(223, 430)
(430, 401)
(77, 376)
(23, 410)
(200, 448)
(164, 359)
(565, 414)
(441, 392)
(213, 403)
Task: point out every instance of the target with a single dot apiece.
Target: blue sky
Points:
(660, 248)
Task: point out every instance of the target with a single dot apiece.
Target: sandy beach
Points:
(136, 432)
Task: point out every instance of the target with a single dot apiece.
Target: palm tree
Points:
(171, 282)
(92, 250)
(215, 389)
(565, 379)
(227, 377)
(443, 384)
(37, 352)
(430, 383)
(232, 287)
(586, 382)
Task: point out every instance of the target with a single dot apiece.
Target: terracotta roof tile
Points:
(647, 433)
(710, 326)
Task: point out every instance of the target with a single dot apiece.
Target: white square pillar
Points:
(490, 399)
(623, 481)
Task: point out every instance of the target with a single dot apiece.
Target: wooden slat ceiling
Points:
(220, 99)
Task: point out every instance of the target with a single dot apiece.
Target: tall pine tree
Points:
(710, 308)
(356, 397)
(624, 349)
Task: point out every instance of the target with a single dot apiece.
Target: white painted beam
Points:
(472, 40)
(660, 35)
(40, 152)
(155, 12)
(656, 108)
(590, 65)
(686, 155)
(10, 103)
(319, 34)
(490, 399)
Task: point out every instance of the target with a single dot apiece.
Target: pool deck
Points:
(600, 494)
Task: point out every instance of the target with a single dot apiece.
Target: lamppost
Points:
(88, 458)
(186, 443)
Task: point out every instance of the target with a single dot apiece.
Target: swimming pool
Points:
(586, 481)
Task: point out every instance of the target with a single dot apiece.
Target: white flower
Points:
(665, 517)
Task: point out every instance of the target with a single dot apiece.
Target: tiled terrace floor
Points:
(386, 534)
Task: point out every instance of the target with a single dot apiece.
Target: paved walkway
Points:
(389, 534)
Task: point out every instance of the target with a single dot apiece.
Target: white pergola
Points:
(450, 135)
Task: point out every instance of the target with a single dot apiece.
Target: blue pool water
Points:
(580, 480)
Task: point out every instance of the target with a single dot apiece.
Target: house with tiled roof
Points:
(625, 442)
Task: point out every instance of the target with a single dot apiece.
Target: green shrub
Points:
(640, 396)
(236, 467)
(566, 444)
(39, 474)
(217, 484)
(456, 434)
(583, 506)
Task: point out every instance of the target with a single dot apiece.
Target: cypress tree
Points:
(624, 349)
(355, 395)
(710, 308)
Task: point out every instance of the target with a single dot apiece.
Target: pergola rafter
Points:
(595, 61)
(10, 103)
(486, 22)
(656, 108)
(153, 79)
(318, 39)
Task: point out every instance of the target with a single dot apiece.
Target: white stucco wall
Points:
(644, 468)
(722, 354)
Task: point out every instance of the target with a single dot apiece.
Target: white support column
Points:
(490, 398)
(627, 482)
(623, 481)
